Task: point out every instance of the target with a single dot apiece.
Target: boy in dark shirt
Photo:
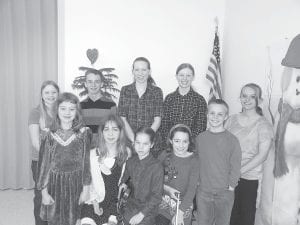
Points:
(96, 106)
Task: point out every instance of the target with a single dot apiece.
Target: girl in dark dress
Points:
(64, 167)
(107, 166)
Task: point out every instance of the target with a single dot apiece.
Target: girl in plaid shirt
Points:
(184, 105)
(141, 103)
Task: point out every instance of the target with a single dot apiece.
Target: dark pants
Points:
(244, 207)
(37, 199)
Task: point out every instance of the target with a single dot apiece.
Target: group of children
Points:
(98, 177)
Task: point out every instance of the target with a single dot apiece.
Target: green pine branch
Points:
(109, 86)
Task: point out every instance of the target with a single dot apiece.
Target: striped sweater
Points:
(93, 112)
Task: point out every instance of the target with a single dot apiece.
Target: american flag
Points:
(213, 74)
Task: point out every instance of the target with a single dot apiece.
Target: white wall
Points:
(170, 32)
(250, 28)
(167, 32)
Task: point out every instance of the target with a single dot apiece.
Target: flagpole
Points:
(216, 20)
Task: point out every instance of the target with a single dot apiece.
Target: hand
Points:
(97, 210)
(179, 218)
(84, 195)
(231, 188)
(112, 220)
(136, 219)
(46, 198)
(121, 188)
(172, 192)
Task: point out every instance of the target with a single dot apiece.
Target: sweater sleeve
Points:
(156, 190)
(235, 164)
(188, 198)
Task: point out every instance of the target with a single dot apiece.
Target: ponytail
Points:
(151, 81)
(259, 110)
(143, 59)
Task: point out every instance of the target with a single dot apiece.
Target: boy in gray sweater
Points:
(220, 164)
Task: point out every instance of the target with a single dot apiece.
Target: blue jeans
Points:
(214, 207)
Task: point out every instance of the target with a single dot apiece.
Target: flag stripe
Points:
(214, 85)
(213, 74)
(215, 80)
(213, 61)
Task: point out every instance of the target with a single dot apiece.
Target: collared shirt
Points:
(93, 112)
(140, 111)
(146, 181)
(189, 109)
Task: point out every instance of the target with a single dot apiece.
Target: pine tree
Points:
(108, 78)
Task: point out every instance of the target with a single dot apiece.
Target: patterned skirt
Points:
(65, 189)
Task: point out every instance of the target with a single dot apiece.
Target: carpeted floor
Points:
(16, 207)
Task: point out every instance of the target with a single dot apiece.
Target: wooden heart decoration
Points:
(92, 55)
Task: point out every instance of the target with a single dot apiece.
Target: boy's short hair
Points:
(93, 71)
(219, 102)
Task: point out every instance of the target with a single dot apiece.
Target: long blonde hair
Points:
(258, 96)
(42, 106)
